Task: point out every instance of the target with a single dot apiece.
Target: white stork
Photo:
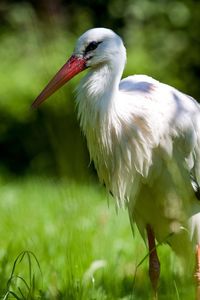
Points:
(144, 139)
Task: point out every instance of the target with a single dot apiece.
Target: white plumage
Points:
(144, 139)
(143, 136)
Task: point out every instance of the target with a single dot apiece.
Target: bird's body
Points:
(140, 155)
(144, 139)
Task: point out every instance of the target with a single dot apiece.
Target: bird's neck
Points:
(96, 97)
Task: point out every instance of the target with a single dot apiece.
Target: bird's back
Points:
(173, 116)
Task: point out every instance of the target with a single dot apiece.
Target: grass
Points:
(60, 240)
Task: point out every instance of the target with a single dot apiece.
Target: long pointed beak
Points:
(72, 67)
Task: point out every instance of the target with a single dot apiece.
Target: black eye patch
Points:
(92, 46)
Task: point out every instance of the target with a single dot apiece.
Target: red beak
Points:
(72, 67)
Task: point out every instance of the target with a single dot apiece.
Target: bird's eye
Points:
(92, 46)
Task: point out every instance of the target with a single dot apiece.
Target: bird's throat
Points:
(96, 96)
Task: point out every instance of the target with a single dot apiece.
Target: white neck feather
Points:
(96, 98)
(96, 95)
(109, 131)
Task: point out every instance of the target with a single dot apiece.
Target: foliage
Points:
(36, 38)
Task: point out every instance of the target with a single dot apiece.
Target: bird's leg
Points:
(154, 264)
(197, 271)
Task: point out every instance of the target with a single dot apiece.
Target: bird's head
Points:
(96, 47)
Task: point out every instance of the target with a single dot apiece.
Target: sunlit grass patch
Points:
(85, 249)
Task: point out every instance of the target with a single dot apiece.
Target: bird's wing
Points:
(172, 116)
(186, 130)
(166, 136)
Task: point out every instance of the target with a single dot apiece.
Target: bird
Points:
(144, 139)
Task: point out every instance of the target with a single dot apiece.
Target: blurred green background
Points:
(50, 200)
(37, 37)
